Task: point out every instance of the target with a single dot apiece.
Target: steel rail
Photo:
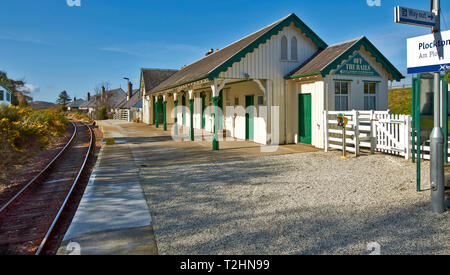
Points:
(34, 180)
(55, 220)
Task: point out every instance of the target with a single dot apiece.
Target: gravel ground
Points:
(294, 204)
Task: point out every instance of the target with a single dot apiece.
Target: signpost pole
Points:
(437, 138)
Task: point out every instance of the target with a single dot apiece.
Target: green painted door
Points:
(249, 118)
(203, 110)
(183, 113)
(304, 119)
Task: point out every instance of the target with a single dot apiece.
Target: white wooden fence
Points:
(377, 130)
(122, 114)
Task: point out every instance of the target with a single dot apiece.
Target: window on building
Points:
(8, 97)
(341, 95)
(284, 48)
(370, 96)
(294, 54)
(1, 95)
(260, 100)
(228, 99)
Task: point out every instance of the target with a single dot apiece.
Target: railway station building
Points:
(272, 86)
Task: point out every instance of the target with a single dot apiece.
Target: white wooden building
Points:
(273, 86)
(5, 95)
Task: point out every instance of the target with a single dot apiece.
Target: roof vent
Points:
(211, 51)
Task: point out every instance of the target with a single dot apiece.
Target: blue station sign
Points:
(415, 17)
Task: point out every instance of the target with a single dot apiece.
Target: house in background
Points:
(5, 95)
(75, 104)
(108, 99)
(150, 78)
(273, 86)
(126, 110)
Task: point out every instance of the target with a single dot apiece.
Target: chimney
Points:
(103, 92)
(88, 96)
(130, 90)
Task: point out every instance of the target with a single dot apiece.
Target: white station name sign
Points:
(429, 53)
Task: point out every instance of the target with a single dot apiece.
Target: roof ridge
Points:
(159, 69)
(235, 42)
(347, 41)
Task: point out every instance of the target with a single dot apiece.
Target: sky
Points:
(54, 46)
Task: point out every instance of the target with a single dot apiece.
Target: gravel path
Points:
(294, 204)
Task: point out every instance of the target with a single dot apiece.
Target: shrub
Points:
(102, 115)
(24, 127)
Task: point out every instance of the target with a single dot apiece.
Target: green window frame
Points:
(8, 97)
(2, 95)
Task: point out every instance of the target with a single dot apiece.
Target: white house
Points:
(5, 95)
(272, 86)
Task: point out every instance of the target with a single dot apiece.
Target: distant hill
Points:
(41, 105)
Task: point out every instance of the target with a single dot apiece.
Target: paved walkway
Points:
(113, 217)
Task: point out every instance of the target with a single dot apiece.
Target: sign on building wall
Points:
(429, 53)
(357, 66)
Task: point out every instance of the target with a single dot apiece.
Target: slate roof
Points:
(324, 61)
(8, 90)
(211, 65)
(113, 97)
(75, 104)
(153, 77)
(127, 104)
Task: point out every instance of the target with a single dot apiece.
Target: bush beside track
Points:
(25, 131)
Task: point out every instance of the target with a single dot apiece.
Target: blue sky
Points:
(55, 47)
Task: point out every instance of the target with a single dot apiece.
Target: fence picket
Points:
(380, 131)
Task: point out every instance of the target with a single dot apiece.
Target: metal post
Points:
(445, 117)
(437, 138)
(344, 143)
(418, 130)
(413, 134)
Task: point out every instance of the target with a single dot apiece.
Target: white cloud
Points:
(30, 88)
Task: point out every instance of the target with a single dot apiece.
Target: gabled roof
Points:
(113, 97)
(330, 58)
(138, 105)
(8, 90)
(153, 77)
(212, 65)
(127, 104)
(75, 104)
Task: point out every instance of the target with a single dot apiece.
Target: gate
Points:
(374, 130)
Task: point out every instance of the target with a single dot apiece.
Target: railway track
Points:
(28, 219)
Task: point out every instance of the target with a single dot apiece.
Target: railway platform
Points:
(113, 217)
